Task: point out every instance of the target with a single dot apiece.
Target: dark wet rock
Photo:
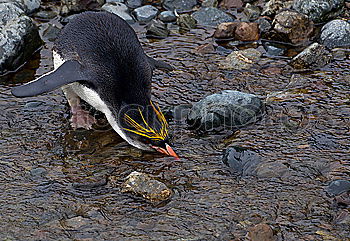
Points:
(252, 12)
(228, 109)
(241, 161)
(119, 9)
(261, 232)
(145, 13)
(241, 31)
(264, 25)
(38, 172)
(324, 141)
(241, 59)
(205, 48)
(76, 223)
(343, 199)
(291, 26)
(271, 170)
(76, 6)
(336, 34)
(167, 16)
(133, 3)
(228, 4)
(145, 186)
(343, 217)
(45, 15)
(186, 21)
(223, 51)
(338, 187)
(210, 3)
(178, 113)
(51, 32)
(272, 7)
(320, 10)
(19, 37)
(314, 56)
(115, 1)
(157, 29)
(181, 6)
(272, 50)
(211, 16)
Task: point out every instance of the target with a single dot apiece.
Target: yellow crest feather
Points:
(146, 130)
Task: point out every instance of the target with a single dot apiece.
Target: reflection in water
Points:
(54, 179)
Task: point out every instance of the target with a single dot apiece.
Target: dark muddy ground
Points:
(52, 177)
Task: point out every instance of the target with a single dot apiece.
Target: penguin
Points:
(99, 59)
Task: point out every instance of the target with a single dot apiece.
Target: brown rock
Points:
(238, 30)
(226, 30)
(247, 32)
(205, 48)
(261, 232)
(231, 4)
(292, 26)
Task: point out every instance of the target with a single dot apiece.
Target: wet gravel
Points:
(305, 129)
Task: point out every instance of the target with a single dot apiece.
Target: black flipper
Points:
(69, 72)
(158, 64)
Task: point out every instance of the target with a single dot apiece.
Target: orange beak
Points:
(168, 151)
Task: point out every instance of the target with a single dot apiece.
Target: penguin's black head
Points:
(147, 128)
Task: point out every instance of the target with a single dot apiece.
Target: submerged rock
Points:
(293, 27)
(19, 37)
(261, 232)
(320, 10)
(314, 56)
(119, 9)
(75, 6)
(145, 13)
(338, 187)
(150, 189)
(186, 21)
(167, 16)
(228, 4)
(227, 109)
(181, 6)
(211, 16)
(241, 59)
(336, 33)
(157, 29)
(241, 161)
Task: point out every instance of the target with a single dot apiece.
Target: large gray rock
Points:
(319, 10)
(336, 33)
(75, 6)
(145, 13)
(28, 6)
(227, 109)
(314, 56)
(181, 6)
(119, 9)
(19, 37)
(211, 16)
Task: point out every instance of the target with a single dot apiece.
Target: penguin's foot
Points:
(82, 119)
